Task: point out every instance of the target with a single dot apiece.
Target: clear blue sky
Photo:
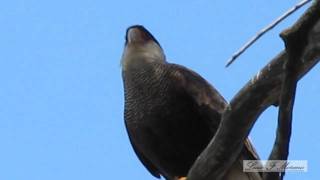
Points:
(61, 94)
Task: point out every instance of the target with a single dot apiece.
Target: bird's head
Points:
(140, 45)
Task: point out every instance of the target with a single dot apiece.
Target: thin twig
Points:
(264, 30)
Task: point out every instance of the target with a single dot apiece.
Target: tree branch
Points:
(280, 149)
(295, 40)
(257, 95)
(264, 30)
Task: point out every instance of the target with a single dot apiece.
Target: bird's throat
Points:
(138, 54)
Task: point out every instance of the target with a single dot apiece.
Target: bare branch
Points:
(244, 109)
(264, 30)
(295, 40)
(280, 149)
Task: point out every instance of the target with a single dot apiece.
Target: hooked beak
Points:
(139, 34)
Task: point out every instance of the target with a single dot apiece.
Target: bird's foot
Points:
(181, 178)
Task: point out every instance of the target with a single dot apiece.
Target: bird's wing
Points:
(253, 155)
(151, 168)
(199, 88)
(208, 99)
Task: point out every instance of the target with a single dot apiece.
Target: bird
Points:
(171, 113)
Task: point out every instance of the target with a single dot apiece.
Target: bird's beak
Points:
(141, 45)
(136, 35)
(139, 34)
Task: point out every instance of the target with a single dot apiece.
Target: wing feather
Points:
(148, 164)
(208, 99)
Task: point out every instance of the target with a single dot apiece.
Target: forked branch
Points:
(258, 94)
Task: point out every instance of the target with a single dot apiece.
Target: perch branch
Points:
(257, 95)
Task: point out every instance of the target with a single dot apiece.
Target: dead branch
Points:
(257, 95)
(264, 30)
(295, 40)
